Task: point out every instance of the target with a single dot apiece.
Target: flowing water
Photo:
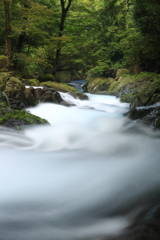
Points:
(84, 176)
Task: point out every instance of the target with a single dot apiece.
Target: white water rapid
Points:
(82, 177)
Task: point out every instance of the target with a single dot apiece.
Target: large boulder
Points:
(46, 77)
(14, 88)
(30, 99)
(149, 115)
(37, 95)
(149, 94)
(48, 95)
(98, 85)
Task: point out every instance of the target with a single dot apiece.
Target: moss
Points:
(127, 97)
(33, 82)
(13, 87)
(59, 86)
(63, 87)
(46, 78)
(149, 92)
(143, 75)
(8, 114)
(113, 86)
(95, 84)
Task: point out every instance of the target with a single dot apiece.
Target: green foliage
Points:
(97, 35)
(147, 18)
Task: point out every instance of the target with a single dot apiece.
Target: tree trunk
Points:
(7, 31)
(64, 11)
(22, 36)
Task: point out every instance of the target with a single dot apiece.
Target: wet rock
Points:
(29, 97)
(16, 118)
(14, 90)
(47, 95)
(149, 115)
(99, 85)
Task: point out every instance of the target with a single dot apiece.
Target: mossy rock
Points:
(99, 84)
(14, 88)
(127, 97)
(4, 77)
(3, 61)
(118, 85)
(59, 86)
(149, 94)
(33, 82)
(15, 118)
(46, 78)
(29, 97)
(63, 87)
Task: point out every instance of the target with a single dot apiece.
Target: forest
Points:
(80, 165)
(82, 37)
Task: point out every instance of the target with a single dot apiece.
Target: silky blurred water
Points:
(82, 177)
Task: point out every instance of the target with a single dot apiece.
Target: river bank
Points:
(141, 90)
(15, 97)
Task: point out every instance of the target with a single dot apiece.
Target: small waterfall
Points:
(3, 93)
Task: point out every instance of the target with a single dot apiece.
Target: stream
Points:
(84, 176)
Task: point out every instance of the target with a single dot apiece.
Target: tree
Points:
(147, 19)
(21, 39)
(65, 6)
(7, 30)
